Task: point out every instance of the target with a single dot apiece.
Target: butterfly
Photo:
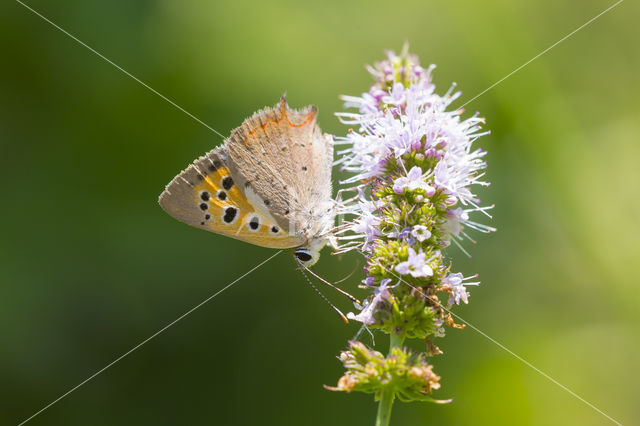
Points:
(268, 184)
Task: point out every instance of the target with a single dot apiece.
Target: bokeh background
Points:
(90, 265)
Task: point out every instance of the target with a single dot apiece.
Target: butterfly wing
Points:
(283, 157)
(207, 195)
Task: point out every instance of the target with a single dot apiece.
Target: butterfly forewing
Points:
(207, 195)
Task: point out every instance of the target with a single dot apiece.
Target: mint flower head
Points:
(414, 171)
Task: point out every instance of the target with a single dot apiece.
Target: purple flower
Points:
(459, 293)
(416, 265)
(367, 104)
(366, 314)
(453, 279)
(367, 225)
(396, 95)
(363, 227)
(404, 234)
(368, 281)
(458, 290)
(421, 233)
(414, 180)
(455, 221)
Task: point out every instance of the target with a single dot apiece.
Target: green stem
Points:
(384, 407)
(388, 394)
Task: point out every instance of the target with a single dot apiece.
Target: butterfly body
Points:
(269, 184)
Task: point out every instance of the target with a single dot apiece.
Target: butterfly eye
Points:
(303, 255)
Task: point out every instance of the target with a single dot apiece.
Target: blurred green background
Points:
(90, 265)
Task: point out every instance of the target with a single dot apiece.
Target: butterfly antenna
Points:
(344, 318)
(355, 268)
(353, 299)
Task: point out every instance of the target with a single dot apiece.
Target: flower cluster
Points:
(413, 168)
(369, 371)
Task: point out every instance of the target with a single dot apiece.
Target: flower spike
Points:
(414, 170)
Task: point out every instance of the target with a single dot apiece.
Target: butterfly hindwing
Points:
(207, 196)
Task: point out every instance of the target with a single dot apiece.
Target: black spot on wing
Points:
(214, 164)
(227, 182)
(254, 223)
(230, 214)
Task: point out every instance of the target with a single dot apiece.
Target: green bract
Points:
(405, 373)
